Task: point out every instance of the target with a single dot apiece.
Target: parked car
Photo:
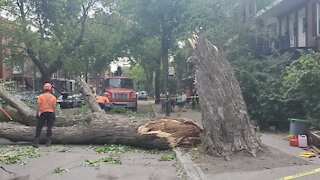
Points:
(66, 100)
(143, 95)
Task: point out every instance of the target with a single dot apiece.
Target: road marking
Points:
(301, 174)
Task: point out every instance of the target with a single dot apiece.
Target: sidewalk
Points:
(295, 167)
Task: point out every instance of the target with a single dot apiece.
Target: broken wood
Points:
(175, 130)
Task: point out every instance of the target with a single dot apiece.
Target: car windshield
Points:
(118, 83)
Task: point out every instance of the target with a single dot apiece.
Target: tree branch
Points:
(41, 66)
(27, 113)
(88, 97)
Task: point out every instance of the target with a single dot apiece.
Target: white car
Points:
(143, 95)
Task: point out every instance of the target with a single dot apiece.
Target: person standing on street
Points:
(45, 114)
(102, 99)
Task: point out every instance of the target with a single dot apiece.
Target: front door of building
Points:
(292, 30)
(302, 27)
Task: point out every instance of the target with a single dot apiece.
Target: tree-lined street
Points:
(139, 83)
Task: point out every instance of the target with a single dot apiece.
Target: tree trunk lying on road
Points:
(106, 129)
(101, 128)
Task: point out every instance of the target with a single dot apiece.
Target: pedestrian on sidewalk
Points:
(181, 100)
(173, 101)
(45, 114)
(194, 94)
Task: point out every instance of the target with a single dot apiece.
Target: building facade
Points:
(289, 25)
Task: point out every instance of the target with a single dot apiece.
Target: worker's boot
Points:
(35, 143)
(48, 141)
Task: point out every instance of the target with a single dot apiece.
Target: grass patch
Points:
(92, 163)
(112, 148)
(59, 170)
(118, 110)
(110, 160)
(96, 163)
(169, 156)
(17, 154)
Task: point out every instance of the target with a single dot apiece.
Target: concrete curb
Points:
(191, 171)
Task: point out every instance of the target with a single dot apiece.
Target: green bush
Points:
(276, 88)
(261, 84)
(301, 84)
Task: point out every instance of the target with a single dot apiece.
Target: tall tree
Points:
(48, 31)
(147, 53)
(161, 19)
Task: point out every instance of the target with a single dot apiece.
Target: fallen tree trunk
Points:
(88, 96)
(27, 114)
(101, 128)
(225, 118)
(106, 129)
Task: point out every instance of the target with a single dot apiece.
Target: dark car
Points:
(67, 100)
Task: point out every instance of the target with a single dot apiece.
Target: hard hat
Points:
(47, 87)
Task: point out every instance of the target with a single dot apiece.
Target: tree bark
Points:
(157, 83)
(115, 129)
(166, 39)
(88, 96)
(225, 118)
(25, 111)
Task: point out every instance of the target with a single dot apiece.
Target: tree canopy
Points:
(84, 36)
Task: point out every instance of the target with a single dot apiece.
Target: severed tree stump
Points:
(227, 126)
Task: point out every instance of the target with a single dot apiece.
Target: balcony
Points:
(279, 7)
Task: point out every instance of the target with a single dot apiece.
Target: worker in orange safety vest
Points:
(45, 114)
(102, 99)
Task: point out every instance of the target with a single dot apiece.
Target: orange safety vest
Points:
(102, 99)
(47, 102)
